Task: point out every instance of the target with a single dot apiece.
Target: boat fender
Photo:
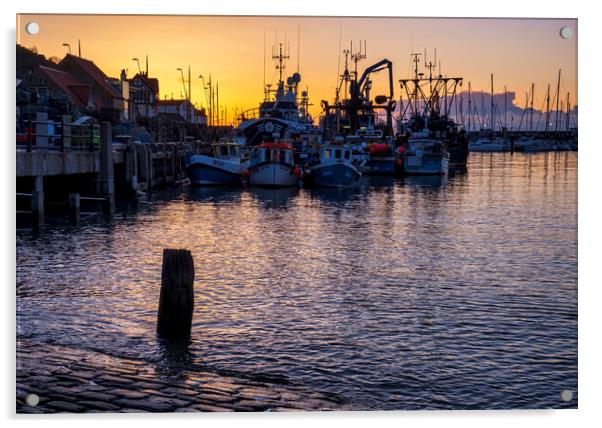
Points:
(296, 171)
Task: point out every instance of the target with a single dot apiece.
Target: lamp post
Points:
(207, 90)
(185, 93)
(68, 46)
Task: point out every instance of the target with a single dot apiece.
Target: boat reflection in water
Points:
(216, 194)
(276, 197)
(432, 181)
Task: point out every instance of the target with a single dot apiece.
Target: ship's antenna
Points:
(264, 59)
(281, 57)
(298, 46)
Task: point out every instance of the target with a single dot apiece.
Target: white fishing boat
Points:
(271, 164)
(425, 156)
(223, 166)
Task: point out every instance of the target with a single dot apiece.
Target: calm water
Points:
(402, 294)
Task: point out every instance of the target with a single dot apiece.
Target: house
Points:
(59, 90)
(184, 108)
(144, 93)
(101, 86)
(200, 117)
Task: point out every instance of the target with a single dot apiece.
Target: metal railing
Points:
(58, 136)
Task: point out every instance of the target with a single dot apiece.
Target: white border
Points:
(589, 201)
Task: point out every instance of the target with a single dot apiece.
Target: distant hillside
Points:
(28, 59)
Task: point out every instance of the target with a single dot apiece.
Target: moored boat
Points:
(425, 156)
(271, 165)
(336, 168)
(489, 145)
(220, 168)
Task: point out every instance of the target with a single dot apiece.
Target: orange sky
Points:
(231, 49)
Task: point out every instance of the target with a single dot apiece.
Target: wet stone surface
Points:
(77, 381)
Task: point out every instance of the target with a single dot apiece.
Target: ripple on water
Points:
(402, 294)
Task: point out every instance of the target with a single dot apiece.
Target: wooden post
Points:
(74, 206)
(176, 302)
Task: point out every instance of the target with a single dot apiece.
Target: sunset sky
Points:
(231, 49)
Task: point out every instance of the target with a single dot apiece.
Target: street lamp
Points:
(68, 46)
(137, 62)
(188, 114)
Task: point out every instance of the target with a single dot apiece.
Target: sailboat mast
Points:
(557, 101)
(547, 109)
(492, 118)
(505, 109)
(532, 96)
(469, 108)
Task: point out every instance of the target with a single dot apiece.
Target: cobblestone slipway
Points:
(78, 381)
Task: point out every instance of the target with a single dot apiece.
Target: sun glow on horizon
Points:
(236, 51)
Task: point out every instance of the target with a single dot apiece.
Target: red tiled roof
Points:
(73, 88)
(94, 72)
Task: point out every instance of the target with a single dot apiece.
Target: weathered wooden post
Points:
(74, 206)
(176, 301)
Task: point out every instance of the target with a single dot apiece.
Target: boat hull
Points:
(432, 165)
(335, 175)
(380, 165)
(269, 174)
(201, 174)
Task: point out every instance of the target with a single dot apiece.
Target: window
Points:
(223, 150)
(337, 154)
(347, 154)
(327, 154)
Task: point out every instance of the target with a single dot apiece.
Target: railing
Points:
(69, 136)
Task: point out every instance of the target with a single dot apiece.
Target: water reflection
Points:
(274, 197)
(215, 194)
(175, 358)
(429, 181)
(398, 294)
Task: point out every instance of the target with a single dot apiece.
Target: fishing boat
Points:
(427, 114)
(336, 168)
(284, 110)
(271, 165)
(354, 115)
(222, 166)
(425, 156)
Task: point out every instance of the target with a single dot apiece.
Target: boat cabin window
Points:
(327, 154)
(347, 154)
(233, 151)
(256, 155)
(337, 154)
(223, 150)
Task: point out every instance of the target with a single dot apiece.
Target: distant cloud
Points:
(516, 116)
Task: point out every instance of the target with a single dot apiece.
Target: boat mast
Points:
(492, 117)
(547, 110)
(505, 109)
(557, 101)
(531, 116)
(469, 108)
(568, 105)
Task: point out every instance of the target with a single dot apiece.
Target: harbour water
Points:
(411, 293)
